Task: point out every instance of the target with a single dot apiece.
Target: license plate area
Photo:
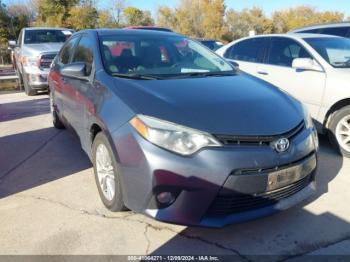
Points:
(283, 178)
(290, 175)
(254, 183)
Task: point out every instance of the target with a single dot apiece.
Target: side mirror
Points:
(75, 70)
(12, 43)
(306, 64)
(234, 64)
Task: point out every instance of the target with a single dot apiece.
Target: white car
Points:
(338, 29)
(313, 68)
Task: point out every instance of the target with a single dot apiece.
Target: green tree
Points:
(213, 20)
(195, 18)
(4, 22)
(54, 12)
(166, 17)
(135, 16)
(240, 23)
(82, 17)
(288, 19)
(117, 8)
(105, 20)
(17, 23)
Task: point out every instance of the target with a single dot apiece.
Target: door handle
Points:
(262, 72)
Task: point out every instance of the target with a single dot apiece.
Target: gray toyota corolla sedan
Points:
(174, 132)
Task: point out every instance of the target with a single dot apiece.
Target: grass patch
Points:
(8, 85)
(5, 66)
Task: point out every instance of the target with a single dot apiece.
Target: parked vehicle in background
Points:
(33, 53)
(337, 29)
(210, 43)
(313, 68)
(175, 132)
(154, 28)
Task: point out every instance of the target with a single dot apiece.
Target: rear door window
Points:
(250, 50)
(283, 51)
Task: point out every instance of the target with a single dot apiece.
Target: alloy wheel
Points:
(105, 172)
(342, 133)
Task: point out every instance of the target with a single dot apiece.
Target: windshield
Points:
(335, 50)
(46, 36)
(162, 56)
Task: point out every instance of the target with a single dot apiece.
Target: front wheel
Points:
(339, 127)
(107, 174)
(56, 121)
(27, 88)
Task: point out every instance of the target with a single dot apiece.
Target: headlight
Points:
(173, 137)
(30, 61)
(307, 118)
(309, 124)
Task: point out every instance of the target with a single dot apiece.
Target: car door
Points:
(58, 84)
(248, 54)
(79, 103)
(306, 85)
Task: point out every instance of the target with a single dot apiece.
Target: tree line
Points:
(195, 18)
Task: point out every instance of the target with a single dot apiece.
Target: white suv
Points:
(313, 68)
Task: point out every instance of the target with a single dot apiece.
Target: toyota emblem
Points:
(281, 145)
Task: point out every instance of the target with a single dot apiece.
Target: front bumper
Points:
(36, 77)
(198, 180)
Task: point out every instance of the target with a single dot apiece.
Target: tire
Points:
(56, 121)
(27, 88)
(20, 80)
(114, 202)
(339, 131)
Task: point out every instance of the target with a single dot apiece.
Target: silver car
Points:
(33, 53)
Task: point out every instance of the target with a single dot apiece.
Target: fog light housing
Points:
(165, 198)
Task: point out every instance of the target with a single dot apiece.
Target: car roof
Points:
(47, 28)
(205, 39)
(309, 35)
(320, 26)
(125, 31)
(149, 27)
(294, 35)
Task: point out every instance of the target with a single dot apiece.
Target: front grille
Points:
(235, 203)
(46, 60)
(258, 140)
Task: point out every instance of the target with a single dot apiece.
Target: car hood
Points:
(342, 70)
(237, 105)
(42, 48)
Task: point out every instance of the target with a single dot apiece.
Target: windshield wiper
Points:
(137, 76)
(222, 73)
(205, 74)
